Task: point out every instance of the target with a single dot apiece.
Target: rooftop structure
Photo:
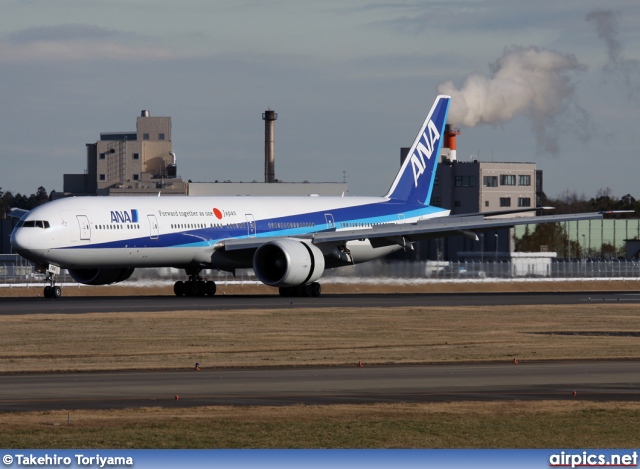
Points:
(130, 163)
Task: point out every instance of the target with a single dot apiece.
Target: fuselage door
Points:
(331, 225)
(153, 227)
(251, 225)
(85, 227)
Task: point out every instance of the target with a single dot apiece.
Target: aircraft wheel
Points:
(202, 288)
(56, 292)
(192, 288)
(179, 288)
(288, 292)
(316, 289)
(211, 288)
(307, 290)
(47, 291)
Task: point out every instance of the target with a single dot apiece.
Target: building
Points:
(478, 187)
(610, 238)
(130, 163)
(472, 187)
(143, 163)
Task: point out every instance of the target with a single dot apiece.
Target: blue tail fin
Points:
(414, 182)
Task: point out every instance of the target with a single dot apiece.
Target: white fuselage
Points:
(85, 232)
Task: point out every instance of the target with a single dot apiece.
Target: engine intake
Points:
(100, 276)
(288, 263)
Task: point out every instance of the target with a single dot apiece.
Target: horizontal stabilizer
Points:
(17, 212)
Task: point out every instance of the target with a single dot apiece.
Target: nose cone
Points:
(21, 243)
(19, 239)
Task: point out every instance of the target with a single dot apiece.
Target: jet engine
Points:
(288, 263)
(100, 276)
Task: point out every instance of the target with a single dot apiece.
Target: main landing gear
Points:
(195, 286)
(52, 290)
(312, 289)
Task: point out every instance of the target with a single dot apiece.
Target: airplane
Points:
(288, 241)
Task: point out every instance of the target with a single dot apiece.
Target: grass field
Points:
(555, 424)
(331, 336)
(325, 337)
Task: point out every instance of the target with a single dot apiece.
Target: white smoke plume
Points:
(607, 28)
(606, 23)
(524, 80)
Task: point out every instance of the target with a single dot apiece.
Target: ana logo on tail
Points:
(414, 181)
(424, 148)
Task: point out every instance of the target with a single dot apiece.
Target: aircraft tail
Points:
(414, 181)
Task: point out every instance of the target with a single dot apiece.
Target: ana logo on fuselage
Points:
(424, 151)
(124, 216)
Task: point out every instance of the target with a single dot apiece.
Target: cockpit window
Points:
(34, 224)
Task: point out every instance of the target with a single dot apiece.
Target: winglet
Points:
(614, 212)
(414, 181)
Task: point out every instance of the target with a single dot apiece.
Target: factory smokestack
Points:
(269, 117)
(449, 142)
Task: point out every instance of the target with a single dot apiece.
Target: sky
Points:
(550, 82)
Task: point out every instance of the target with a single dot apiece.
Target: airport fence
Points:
(497, 270)
(472, 269)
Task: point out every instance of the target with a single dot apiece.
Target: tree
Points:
(604, 200)
(551, 235)
(9, 201)
(609, 251)
(39, 198)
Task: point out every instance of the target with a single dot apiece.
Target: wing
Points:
(386, 235)
(402, 234)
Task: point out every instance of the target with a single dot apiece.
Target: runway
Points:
(92, 304)
(591, 380)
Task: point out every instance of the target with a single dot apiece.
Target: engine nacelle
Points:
(288, 263)
(100, 276)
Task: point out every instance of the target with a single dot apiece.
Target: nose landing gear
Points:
(52, 290)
